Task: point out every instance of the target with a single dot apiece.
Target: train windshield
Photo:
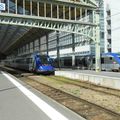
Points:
(44, 59)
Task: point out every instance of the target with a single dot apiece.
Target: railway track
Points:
(82, 107)
(110, 91)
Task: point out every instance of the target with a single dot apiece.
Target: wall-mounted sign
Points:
(2, 6)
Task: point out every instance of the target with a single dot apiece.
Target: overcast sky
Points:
(114, 4)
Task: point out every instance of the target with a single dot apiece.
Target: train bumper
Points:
(45, 71)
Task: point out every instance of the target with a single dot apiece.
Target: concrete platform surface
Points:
(106, 79)
(19, 101)
(92, 72)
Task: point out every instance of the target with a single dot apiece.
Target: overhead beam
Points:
(51, 24)
(72, 3)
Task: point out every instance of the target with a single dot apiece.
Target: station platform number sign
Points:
(2, 6)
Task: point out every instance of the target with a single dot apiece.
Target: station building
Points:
(112, 25)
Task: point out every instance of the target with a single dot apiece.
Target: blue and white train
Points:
(33, 62)
(109, 62)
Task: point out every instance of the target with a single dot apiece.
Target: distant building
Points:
(108, 29)
(112, 25)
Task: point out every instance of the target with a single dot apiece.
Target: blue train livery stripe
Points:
(114, 55)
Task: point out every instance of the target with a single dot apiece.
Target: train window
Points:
(29, 60)
(110, 58)
(21, 61)
(102, 60)
(93, 60)
(43, 59)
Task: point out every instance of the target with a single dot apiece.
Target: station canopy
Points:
(12, 36)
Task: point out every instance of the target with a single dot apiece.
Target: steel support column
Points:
(33, 45)
(58, 50)
(73, 51)
(39, 44)
(28, 48)
(97, 44)
(47, 43)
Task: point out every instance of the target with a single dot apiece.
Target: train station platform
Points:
(105, 79)
(19, 101)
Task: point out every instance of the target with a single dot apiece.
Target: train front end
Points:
(46, 69)
(44, 64)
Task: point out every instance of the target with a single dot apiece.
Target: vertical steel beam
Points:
(86, 12)
(30, 7)
(25, 49)
(69, 13)
(97, 44)
(47, 43)
(57, 11)
(75, 13)
(80, 13)
(39, 44)
(58, 50)
(8, 2)
(34, 46)
(22, 50)
(86, 15)
(51, 10)
(28, 51)
(44, 9)
(38, 9)
(18, 52)
(23, 7)
(16, 6)
(64, 12)
(73, 50)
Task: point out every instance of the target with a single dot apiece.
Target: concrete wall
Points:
(110, 82)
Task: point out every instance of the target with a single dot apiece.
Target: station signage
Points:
(2, 6)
